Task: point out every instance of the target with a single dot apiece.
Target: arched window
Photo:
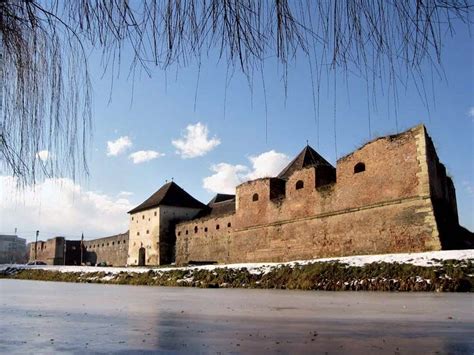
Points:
(186, 232)
(217, 226)
(205, 229)
(359, 167)
(229, 225)
(195, 229)
(255, 197)
(299, 184)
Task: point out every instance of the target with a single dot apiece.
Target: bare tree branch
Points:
(46, 84)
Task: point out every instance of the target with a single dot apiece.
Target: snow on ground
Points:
(421, 259)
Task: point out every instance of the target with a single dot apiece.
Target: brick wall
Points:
(385, 208)
(51, 251)
(110, 250)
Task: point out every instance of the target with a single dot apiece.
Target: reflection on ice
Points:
(46, 317)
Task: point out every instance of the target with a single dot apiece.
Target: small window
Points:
(359, 167)
(205, 229)
(186, 232)
(124, 241)
(138, 233)
(155, 213)
(107, 244)
(118, 242)
(143, 217)
(113, 243)
(217, 226)
(179, 233)
(195, 229)
(147, 231)
(299, 184)
(229, 225)
(255, 197)
(103, 245)
(132, 218)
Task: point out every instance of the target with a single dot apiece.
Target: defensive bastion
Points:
(391, 195)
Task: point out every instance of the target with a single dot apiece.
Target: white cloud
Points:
(118, 146)
(195, 142)
(144, 155)
(227, 176)
(125, 194)
(225, 179)
(60, 207)
(470, 113)
(267, 164)
(43, 155)
(469, 187)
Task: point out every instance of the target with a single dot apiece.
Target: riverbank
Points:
(445, 271)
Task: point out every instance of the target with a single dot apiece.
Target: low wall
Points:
(110, 250)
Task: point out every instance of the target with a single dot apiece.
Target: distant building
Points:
(12, 249)
(56, 251)
(61, 251)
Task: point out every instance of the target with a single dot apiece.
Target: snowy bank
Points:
(433, 258)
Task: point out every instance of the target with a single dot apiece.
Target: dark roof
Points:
(221, 198)
(220, 205)
(169, 194)
(307, 157)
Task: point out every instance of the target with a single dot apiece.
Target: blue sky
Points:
(163, 106)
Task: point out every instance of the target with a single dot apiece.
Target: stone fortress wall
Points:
(382, 198)
(56, 251)
(59, 251)
(51, 251)
(110, 250)
(392, 195)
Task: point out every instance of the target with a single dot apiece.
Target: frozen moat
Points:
(46, 317)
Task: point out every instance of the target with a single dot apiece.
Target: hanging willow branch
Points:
(45, 81)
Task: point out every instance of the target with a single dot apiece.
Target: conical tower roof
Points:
(169, 194)
(307, 157)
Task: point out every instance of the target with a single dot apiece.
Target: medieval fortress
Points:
(391, 195)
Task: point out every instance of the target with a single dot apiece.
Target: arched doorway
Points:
(141, 256)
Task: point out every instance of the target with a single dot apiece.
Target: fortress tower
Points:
(152, 225)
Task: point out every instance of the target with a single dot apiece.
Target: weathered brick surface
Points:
(110, 250)
(56, 251)
(51, 251)
(387, 208)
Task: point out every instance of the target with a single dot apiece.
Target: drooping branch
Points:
(46, 86)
